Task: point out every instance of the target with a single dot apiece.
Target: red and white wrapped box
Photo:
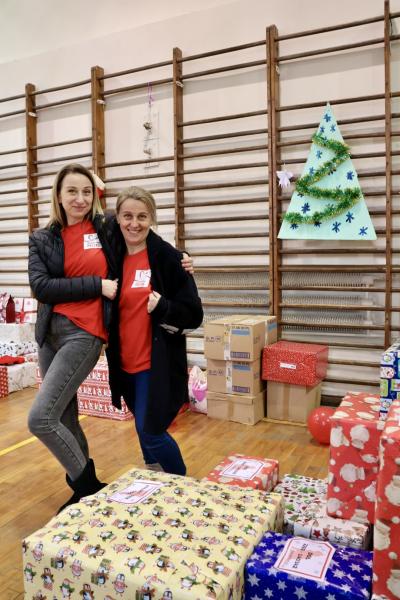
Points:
(246, 471)
(25, 310)
(386, 564)
(17, 377)
(94, 396)
(293, 362)
(354, 457)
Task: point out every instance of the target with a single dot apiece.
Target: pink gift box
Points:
(354, 457)
(246, 471)
(293, 362)
(386, 564)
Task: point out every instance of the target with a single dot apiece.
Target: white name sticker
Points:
(90, 241)
(142, 278)
(287, 366)
(307, 558)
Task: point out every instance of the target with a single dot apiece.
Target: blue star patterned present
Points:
(323, 571)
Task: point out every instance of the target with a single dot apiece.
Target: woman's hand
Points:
(187, 263)
(109, 288)
(154, 298)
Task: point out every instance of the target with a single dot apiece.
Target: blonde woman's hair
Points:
(138, 193)
(57, 212)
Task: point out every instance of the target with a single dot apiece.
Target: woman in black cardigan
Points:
(157, 304)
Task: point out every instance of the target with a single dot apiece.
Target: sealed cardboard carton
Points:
(234, 407)
(287, 402)
(234, 377)
(238, 337)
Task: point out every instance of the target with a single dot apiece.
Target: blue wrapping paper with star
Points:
(328, 203)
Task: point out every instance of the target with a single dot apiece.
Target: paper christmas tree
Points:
(328, 202)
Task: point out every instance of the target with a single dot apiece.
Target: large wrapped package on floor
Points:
(354, 457)
(17, 377)
(386, 578)
(292, 568)
(305, 514)
(150, 535)
(246, 471)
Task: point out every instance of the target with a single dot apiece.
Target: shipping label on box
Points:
(305, 514)
(238, 337)
(346, 573)
(246, 471)
(293, 362)
(150, 535)
(286, 402)
(386, 581)
(235, 407)
(232, 377)
(389, 378)
(354, 457)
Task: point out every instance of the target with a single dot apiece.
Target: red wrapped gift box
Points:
(3, 383)
(354, 457)
(386, 581)
(246, 471)
(293, 362)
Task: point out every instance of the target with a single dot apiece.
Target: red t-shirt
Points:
(134, 320)
(83, 255)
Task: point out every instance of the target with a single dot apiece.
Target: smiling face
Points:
(76, 197)
(135, 221)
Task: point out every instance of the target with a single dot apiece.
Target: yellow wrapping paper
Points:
(150, 536)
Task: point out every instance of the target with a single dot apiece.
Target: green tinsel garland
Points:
(344, 199)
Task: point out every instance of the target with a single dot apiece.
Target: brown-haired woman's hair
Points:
(138, 193)
(57, 212)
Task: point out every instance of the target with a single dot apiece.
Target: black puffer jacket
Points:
(46, 274)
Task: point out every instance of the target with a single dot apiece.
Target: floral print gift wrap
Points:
(150, 536)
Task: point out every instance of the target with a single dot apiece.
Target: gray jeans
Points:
(66, 358)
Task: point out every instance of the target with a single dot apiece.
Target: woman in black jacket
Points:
(157, 304)
(72, 272)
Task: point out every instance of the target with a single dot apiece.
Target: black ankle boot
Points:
(86, 484)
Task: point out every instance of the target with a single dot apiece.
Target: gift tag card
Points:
(306, 558)
(142, 278)
(242, 468)
(136, 492)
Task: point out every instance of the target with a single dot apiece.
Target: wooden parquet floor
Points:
(32, 483)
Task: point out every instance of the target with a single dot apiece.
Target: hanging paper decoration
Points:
(328, 202)
(284, 178)
(100, 185)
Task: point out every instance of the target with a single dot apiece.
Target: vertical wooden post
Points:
(273, 158)
(31, 156)
(178, 150)
(97, 106)
(388, 166)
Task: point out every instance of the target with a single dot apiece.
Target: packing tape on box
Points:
(228, 376)
(227, 342)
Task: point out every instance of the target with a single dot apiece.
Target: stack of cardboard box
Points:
(232, 346)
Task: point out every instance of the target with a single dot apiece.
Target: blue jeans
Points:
(161, 448)
(66, 358)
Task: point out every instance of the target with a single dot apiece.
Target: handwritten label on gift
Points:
(242, 468)
(306, 558)
(138, 491)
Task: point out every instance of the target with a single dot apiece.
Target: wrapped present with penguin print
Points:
(386, 565)
(294, 568)
(246, 471)
(389, 378)
(150, 535)
(354, 457)
(305, 514)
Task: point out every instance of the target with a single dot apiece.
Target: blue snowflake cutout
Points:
(350, 175)
(349, 217)
(336, 226)
(327, 117)
(322, 129)
(319, 154)
(293, 226)
(305, 208)
(363, 231)
(333, 128)
(317, 223)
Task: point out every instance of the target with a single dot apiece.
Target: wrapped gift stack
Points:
(94, 395)
(293, 372)
(18, 357)
(150, 535)
(233, 347)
